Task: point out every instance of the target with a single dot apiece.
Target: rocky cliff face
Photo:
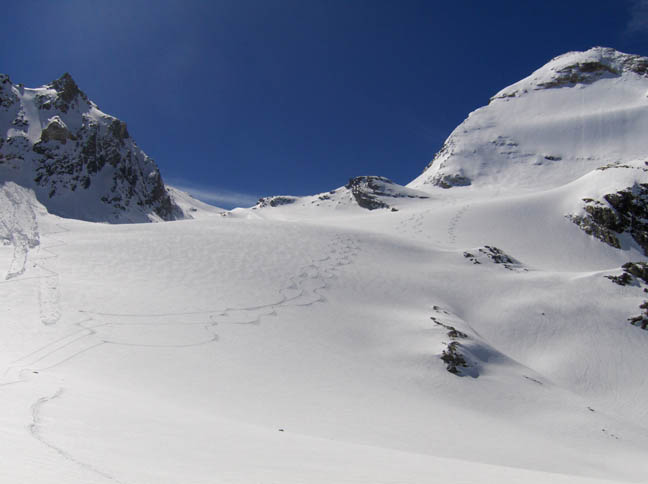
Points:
(80, 162)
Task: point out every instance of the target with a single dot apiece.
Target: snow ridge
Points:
(580, 111)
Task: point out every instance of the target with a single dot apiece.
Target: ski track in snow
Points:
(36, 431)
(303, 289)
(454, 221)
(414, 225)
(49, 296)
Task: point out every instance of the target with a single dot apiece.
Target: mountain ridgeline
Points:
(574, 129)
(80, 162)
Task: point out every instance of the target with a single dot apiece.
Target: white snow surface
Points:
(190, 206)
(302, 342)
(264, 346)
(534, 136)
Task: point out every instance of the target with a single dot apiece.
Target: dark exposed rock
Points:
(637, 269)
(118, 130)
(20, 123)
(495, 255)
(635, 273)
(641, 321)
(453, 332)
(7, 96)
(622, 280)
(580, 73)
(631, 272)
(276, 201)
(612, 63)
(452, 180)
(368, 190)
(67, 91)
(453, 359)
(625, 211)
(56, 130)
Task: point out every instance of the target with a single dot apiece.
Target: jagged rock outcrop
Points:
(622, 212)
(635, 273)
(369, 191)
(56, 130)
(276, 201)
(80, 162)
(496, 256)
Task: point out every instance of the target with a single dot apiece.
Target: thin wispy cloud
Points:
(215, 196)
(638, 22)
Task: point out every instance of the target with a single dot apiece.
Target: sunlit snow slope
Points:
(371, 334)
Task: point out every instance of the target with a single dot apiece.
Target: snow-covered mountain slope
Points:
(372, 334)
(190, 206)
(580, 111)
(580, 117)
(80, 162)
(366, 346)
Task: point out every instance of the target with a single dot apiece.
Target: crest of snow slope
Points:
(190, 206)
(359, 195)
(80, 162)
(580, 111)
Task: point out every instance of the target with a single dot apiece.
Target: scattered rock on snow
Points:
(495, 255)
(635, 273)
(453, 359)
(369, 190)
(625, 211)
(276, 201)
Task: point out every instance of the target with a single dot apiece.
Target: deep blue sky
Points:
(244, 98)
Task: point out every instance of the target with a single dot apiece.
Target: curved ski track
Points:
(303, 289)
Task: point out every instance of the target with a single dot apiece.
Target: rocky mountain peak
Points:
(579, 67)
(80, 162)
(67, 88)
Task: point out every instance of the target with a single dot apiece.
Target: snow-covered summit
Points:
(580, 67)
(580, 111)
(80, 162)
